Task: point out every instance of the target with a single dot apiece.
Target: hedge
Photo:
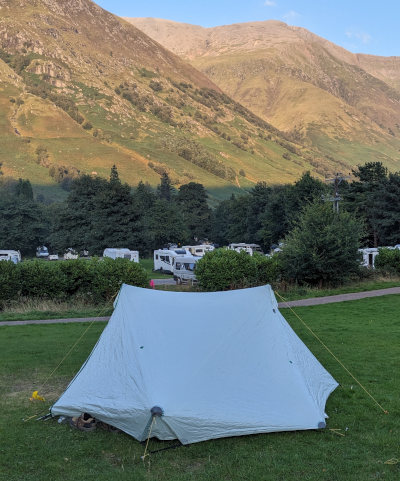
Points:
(224, 269)
(94, 279)
(388, 261)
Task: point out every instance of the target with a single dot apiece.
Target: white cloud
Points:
(363, 37)
(269, 3)
(291, 16)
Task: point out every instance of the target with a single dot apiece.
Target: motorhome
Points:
(249, 248)
(121, 253)
(164, 259)
(42, 252)
(10, 255)
(184, 269)
(199, 250)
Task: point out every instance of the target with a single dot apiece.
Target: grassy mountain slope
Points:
(345, 105)
(81, 89)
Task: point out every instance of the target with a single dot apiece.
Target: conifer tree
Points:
(23, 224)
(73, 225)
(166, 224)
(364, 197)
(24, 189)
(114, 176)
(322, 249)
(192, 199)
(165, 190)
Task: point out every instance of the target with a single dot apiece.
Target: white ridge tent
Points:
(211, 364)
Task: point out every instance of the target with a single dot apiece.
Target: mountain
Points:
(82, 89)
(344, 105)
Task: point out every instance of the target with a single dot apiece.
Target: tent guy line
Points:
(334, 356)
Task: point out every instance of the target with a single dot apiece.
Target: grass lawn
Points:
(148, 265)
(32, 309)
(364, 334)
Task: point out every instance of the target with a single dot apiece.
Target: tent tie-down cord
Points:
(331, 353)
(35, 395)
(148, 439)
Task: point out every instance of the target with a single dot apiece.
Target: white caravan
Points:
(9, 255)
(70, 254)
(42, 252)
(121, 253)
(184, 269)
(164, 259)
(199, 250)
(249, 248)
(368, 256)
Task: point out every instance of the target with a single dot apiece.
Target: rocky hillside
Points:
(347, 106)
(81, 89)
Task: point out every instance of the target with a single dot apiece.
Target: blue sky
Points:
(368, 26)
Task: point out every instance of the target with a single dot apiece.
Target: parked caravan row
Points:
(42, 252)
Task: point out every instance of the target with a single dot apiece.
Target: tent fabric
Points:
(218, 364)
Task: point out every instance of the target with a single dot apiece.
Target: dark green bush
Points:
(109, 275)
(224, 269)
(77, 276)
(38, 278)
(94, 279)
(9, 281)
(156, 86)
(268, 268)
(388, 261)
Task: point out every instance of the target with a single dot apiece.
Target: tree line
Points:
(100, 213)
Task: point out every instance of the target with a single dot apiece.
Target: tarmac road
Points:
(164, 282)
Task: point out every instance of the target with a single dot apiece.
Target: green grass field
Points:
(148, 265)
(365, 336)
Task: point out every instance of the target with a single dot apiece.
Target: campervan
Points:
(249, 248)
(9, 255)
(164, 259)
(199, 250)
(184, 269)
(42, 252)
(121, 253)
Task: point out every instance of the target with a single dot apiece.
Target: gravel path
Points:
(314, 301)
(55, 321)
